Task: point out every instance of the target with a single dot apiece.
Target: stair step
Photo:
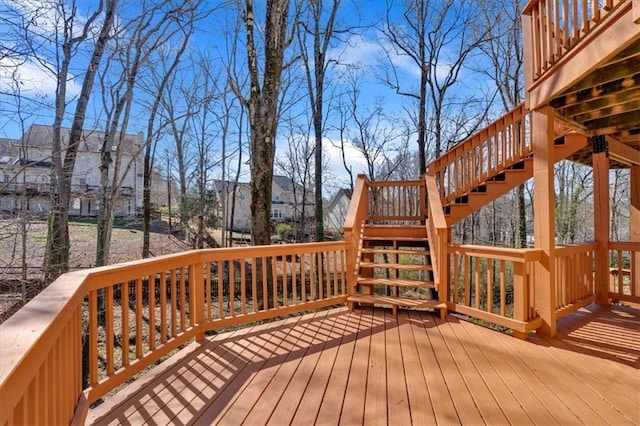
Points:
(480, 189)
(405, 266)
(417, 239)
(395, 232)
(395, 301)
(396, 251)
(398, 282)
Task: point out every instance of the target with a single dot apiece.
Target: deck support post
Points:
(601, 217)
(542, 130)
(634, 217)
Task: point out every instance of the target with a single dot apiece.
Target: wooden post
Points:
(542, 132)
(601, 216)
(520, 294)
(634, 218)
(196, 294)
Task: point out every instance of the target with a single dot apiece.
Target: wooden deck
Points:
(334, 367)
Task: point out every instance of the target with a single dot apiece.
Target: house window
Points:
(276, 214)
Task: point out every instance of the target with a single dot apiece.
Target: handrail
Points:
(558, 26)
(41, 371)
(487, 153)
(356, 215)
(438, 232)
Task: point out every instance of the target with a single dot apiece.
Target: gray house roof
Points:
(40, 136)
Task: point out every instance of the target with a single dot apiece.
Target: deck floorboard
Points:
(370, 367)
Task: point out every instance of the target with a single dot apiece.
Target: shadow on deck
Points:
(334, 367)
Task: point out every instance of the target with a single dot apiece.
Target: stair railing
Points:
(353, 224)
(438, 234)
(487, 153)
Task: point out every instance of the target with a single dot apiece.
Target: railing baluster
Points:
(254, 284)
(232, 288)
(109, 329)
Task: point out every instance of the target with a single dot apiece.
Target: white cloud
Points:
(34, 80)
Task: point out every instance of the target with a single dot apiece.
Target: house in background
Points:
(286, 202)
(336, 211)
(26, 172)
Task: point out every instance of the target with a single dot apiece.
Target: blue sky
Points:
(364, 49)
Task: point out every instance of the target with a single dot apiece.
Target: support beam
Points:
(634, 220)
(542, 131)
(623, 153)
(601, 222)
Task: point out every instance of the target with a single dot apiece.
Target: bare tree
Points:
(320, 28)
(57, 250)
(438, 38)
(157, 86)
(156, 24)
(371, 133)
(263, 107)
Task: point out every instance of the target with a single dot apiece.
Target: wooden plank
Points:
(375, 409)
(328, 412)
(466, 409)
(243, 400)
(399, 410)
(274, 395)
(312, 396)
(481, 393)
(354, 397)
(490, 374)
(542, 406)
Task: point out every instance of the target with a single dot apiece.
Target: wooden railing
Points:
(396, 201)
(557, 26)
(494, 284)
(356, 217)
(484, 155)
(624, 283)
(123, 318)
(438, 234)
(575, 279)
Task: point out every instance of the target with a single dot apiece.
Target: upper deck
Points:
(582, 58)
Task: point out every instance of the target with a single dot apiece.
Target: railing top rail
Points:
(624, 245)
(434, 166)
(569, 249)
(501, 253)
(385, 183)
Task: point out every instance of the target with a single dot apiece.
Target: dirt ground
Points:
(126, 245)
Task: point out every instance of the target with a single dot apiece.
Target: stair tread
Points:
(391, 238)
(399, 282)
(409, 266)
(396, 251)
(397, 301)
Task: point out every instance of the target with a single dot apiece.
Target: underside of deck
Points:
(369, 367)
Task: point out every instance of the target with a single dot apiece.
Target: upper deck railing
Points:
(558, 26)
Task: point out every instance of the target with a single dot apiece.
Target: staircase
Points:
(394, 269)
(387, 221)
(493, 162)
